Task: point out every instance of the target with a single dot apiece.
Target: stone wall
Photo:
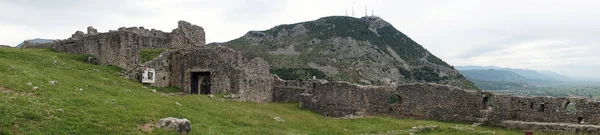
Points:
(422, 101)
(545, 109)
(446, 103)
(440, 102)
(121, 48)
(289, 90)
(258, 81)
(161, 66)
(340, 99)
(229, 72)
(222, 63)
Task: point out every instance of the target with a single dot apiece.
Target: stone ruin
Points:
(441, 102)
(197, 69)
(186, 64)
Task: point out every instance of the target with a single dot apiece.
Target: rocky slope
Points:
(364, 50)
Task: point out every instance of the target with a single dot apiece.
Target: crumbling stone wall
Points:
(546, 109)
(258, 81)
(447, 103)
(340, 99)
(423, 101)
(433, 101)
(187, 35)
(161, 66)
(229, 71)
(222, 63)
(289, 90)
(122, 47)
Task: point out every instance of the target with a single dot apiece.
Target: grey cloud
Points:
(495, 46)
(251, 10)
(42, 14)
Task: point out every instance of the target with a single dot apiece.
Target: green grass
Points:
(149, 54)
(112, 104)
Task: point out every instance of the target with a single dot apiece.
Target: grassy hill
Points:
(92, 99)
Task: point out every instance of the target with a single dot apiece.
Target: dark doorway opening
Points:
(530, 105)
(485, 103)
(200, 83)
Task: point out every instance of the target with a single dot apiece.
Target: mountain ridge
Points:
(545, 75)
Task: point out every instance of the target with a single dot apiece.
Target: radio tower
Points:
(366, 11)
(352, 11)
(372, 12)
(346, 12)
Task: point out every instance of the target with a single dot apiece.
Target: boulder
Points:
(170, 123)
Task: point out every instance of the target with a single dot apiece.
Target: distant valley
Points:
(529, 82)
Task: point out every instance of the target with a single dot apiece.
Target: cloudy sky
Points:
(558, 35)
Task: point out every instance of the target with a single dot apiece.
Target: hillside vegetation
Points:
(43, 92)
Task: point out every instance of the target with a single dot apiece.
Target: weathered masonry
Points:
(441, 102)
(186, 64)
(197, 69)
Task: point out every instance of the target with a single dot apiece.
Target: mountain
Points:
(532, 74)
(498, 78)
(37, 40)
(555, 75)
(476, 67)
(365, 50)
(500, 85)
(544, 75)
(493, 75)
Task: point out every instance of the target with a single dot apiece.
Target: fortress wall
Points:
(547, 109)
(289, 90)
(341, 99)
(440, 102)
(447, 103)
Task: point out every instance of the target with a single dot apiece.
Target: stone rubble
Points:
(180, 125)
(279, 119)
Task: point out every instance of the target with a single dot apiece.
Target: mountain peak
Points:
(375, 22)
(366, 50)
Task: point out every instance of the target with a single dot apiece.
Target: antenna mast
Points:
(346, 12)
(372, 12)
(352, 11)
(366, 11)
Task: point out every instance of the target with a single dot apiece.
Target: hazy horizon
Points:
(534, 34)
